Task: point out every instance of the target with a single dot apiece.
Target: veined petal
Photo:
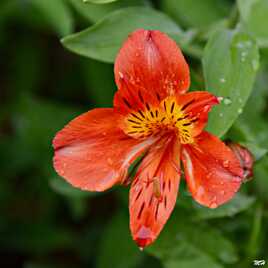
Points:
(212, 171)
(196, 106)
(154, 191)
(92, 153)
(148, 68)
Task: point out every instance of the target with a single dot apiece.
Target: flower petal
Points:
(196, 105)
(92, 153)
(154, 191)
(212, 171)
(148, 68)
(245, 158)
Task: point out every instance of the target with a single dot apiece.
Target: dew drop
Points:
(240, 100)
(237, 179)
(226, 163)
(141, 248)
(221, 114)
(220, 99)
(222, 80)
(227, 101)
(255, 65)
(240, 111)
(222, 192)
(121, 75)
(213, 205)
(110, 161)
(200, 191)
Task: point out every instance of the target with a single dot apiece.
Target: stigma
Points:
(167, 117)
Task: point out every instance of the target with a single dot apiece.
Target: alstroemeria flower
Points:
(154, 115)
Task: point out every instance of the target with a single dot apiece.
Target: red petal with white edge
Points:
(148, 68)
(196, 105)
(212, 171)
(92, 153)
(154, 191)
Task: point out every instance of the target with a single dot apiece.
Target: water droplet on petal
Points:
(213, 205)
(222, 192)
(200, 191)
(226, 163)
(121, 75)
(237, 179)
(220, 99)
(110, 161)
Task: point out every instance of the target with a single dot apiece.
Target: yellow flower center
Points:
(168, 116)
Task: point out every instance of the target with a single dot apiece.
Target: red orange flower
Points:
(152, 113)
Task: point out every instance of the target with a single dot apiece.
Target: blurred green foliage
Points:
(45, 223)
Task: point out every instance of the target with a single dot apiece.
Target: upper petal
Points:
(154, 191)
(148, 68)
(212, 171)
(196, 106)
(92, 153)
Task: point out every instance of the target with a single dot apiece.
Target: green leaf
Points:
(60, 186)
(187, 243)
(238, 204)
(230, 63)
(103, 40)
(94, 12)
(257, 151)
(117, 248)
(99, 1)
(254, 19)
(197, 14)
(57, 14)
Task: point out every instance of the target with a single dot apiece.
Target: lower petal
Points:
(154, 191)
(92, 153)
(212, 171)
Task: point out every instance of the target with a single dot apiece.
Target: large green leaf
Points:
(94, 12)
(99, 1)
(254, 18)
(230, 64)
(103, 40)
(117, 248)
(56, 13)
(197, 14)
(186, 244)
(238, 204)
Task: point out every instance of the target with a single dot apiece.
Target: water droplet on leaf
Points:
(227, 101)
